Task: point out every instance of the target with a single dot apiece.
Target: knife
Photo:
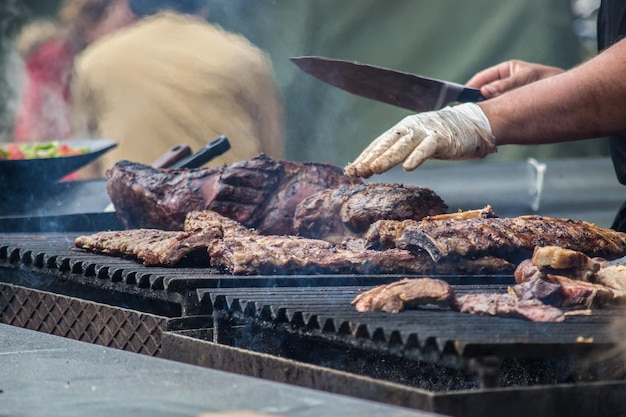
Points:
(409, 91)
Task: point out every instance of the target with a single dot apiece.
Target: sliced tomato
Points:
(14, 152)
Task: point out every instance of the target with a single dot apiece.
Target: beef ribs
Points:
(336, 214)
(153, 247)
(271, 254)
(511, 238)
(156, 247)
(260, 193)
(230, 246)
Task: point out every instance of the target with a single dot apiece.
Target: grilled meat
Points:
(568, 278)
(156, 247)
(496, 304)
(559, 261)
(555, 257)
(239, 250)
(561, 291)
(336, 214)
(412, 293)
(511, 238)
(407, 293)
(262, 254)
(153, 247)
(261, 193)
(612, 275)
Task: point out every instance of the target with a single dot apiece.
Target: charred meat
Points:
(232, 247)
(259, 193)
(420, 292)
(511, 238)
(495, 304)
(343, 212)
(153, 247)
(407, 293)
(568, 278)
(271, 254)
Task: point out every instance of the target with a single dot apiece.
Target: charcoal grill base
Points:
(198, 347)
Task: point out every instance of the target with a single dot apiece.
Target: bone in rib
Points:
(239, 250)
(511, 238)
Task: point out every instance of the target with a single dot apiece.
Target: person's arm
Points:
(510, 75)
(585, 102)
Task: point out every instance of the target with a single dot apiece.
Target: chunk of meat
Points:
(239, 250)
(562, 291)
(555, 257)
(496, 304)
(261, 193)
(407, 293)
(343, 212)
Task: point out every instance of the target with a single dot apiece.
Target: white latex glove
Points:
(458, 132)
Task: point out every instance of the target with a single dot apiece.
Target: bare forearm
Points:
(585, 102)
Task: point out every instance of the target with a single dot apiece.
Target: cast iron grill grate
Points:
(81, 320)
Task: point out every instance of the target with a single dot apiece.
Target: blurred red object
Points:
(45, 112)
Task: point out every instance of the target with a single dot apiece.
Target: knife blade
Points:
(409, 91)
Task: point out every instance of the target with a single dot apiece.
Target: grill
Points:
(301, 330)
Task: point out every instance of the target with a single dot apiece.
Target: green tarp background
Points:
(448, 39)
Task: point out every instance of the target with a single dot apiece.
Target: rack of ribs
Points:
(226, 244)
(512, 238)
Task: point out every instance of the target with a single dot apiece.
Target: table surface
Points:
(46, 375)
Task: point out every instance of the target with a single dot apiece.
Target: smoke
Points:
(611, 363)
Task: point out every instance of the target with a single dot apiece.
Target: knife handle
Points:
(212, 150)
(470, 95)
(173, 155)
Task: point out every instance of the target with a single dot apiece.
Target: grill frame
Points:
(196, 324)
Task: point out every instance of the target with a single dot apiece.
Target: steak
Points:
(343, 212)
(259, 193)
(513, 239)
(561, 291)
(407, 293)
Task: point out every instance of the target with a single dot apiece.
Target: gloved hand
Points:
(458, 132)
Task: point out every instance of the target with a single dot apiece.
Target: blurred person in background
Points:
(172, 77)
(527, 104)
(48, 48)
